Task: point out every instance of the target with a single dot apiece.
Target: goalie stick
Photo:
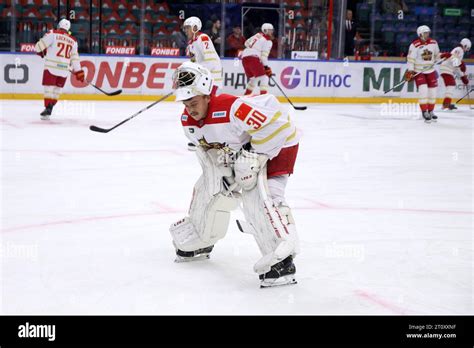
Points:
(106, 130)
(289, 101)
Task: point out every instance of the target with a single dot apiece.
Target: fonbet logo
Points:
(290, 77)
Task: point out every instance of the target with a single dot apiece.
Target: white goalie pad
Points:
(211, 205)
(272, 226)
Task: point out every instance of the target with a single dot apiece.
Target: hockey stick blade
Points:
(288, 99)
(98, 129)
(114, 93)
(111, 94)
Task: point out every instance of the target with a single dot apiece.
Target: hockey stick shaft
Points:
(105, 130)
(465, 95)
(418, 73)
(289, 101)
(117, 92)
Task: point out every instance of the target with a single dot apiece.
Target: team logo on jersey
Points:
(219, 114)
(427, 54)
(290, 77)
(184, 118)
(207, 146)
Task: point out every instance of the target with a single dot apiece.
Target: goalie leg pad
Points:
(272, 226)
(210, 208)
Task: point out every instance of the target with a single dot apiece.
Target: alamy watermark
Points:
(19, 251)
(348, 251)
(81, 109)
(408, 110)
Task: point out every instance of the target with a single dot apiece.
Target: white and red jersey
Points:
(233, 122)
(202, 51)
(422, 54)
(259, 46)
(452, 65)
(61, 52)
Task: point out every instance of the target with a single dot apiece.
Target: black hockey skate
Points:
(200, 254)
(450, 107)
(281, 273)
(433, 116)
(47, 112)
(427, 116)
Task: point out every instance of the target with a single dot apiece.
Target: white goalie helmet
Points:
(266, 27)
(191, 79)
(423, 29)
(466, 44)
(64, 24)
(193, 21)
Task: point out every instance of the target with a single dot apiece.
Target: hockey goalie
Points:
(247, 148)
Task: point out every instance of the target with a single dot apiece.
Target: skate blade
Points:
(272, 282)
(181, 259)
(45, 118)
(427, 121)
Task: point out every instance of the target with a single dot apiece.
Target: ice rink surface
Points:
(383, 205)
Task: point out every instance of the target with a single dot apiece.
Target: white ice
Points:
(383, 205)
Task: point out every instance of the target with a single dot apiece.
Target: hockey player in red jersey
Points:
(59, 50)
(423, 54)
(451, 66)
(255, 59)
(247, 149)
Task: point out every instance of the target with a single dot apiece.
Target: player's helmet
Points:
(423, 29)
(193, 21)
(191, 79)
(64, 24)
(466, 44)
(266, 27)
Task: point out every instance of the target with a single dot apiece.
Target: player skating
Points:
(255, 59)
(247, 149)
(452, 66)
(59, 50)
(422, 56)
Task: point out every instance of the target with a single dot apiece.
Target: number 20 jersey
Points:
(233, 122)
(61, 52)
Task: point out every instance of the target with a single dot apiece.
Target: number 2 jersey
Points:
(61, 52)
(422, 55)
(202, 50)
(233, 122)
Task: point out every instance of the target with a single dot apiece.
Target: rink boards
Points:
(145, 78)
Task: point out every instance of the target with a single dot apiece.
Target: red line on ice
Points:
(320, 205)
(8, 123)
(86, 219)
(387, 305)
